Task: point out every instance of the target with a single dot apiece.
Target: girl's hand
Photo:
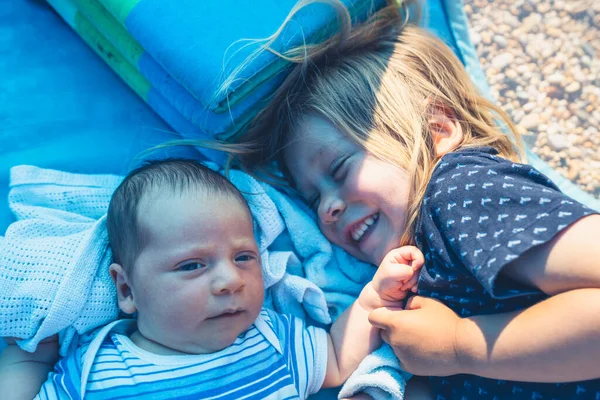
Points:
(423, 336)
(398, 273)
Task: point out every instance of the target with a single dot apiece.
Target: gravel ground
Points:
(542, 60)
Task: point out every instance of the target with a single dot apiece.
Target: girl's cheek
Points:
(327, 231)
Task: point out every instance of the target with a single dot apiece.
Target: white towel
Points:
(54, 259)
(379, 375)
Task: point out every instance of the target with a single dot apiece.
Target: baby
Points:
(186, 262)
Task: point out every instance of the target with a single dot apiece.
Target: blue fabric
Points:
(61, 107)
(188, 74)
(479, 213)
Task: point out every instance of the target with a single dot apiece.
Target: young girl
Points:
(386, 138)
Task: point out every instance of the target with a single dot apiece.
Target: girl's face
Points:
(361, 201)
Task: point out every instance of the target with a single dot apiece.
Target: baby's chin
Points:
(184, 347)
(225, 340)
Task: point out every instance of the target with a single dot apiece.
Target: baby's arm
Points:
(352, 337)
(22, 373)
(401, 262)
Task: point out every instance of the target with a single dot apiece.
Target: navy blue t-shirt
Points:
(480, 212)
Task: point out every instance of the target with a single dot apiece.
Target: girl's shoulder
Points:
(472, 156)
(481, 168)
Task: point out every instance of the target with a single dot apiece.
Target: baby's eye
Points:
(192, 266)
(245, 258)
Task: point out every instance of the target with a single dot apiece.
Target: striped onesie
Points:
(278, 357)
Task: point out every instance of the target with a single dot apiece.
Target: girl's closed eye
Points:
(338, 167)
(192, 266)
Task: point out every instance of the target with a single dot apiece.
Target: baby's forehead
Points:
(166, 198)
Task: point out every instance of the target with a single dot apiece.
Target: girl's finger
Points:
(414, 303)
(382, 317)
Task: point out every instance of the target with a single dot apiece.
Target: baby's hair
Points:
(176, 175)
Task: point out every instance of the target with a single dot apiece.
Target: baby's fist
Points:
(398, 273)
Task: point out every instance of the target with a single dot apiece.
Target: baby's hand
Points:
(398, 273)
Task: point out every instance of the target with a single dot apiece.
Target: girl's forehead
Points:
(312, 148)
(317, 135)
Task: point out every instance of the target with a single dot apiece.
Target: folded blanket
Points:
(192, 60)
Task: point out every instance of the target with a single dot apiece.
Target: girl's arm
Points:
(556, 340)
(22, 373)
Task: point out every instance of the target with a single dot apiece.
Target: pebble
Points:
(573, 87)
(500, 41)
(589, 50)
(542, 59)
(557, 141)
(530, 121)
(556, 78)
(501, 61)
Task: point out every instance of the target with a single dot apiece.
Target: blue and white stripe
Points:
(278, 357)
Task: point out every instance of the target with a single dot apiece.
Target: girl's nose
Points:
(227, 279)
(331, 209)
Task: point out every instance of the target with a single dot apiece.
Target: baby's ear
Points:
(445, 128)
(124, 292)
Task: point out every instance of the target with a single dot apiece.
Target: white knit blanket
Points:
(54, 263)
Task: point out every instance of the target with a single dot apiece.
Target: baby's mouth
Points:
(228, 314)
(366, 226)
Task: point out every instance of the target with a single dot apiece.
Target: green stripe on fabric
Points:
(120, 9)
(111, 29)
(112, 56)
(65, 9)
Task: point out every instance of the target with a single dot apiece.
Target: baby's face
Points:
(197, 283)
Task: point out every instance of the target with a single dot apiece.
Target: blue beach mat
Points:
(60, 106)
(63, 108)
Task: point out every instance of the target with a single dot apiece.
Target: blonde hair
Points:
(377, 84)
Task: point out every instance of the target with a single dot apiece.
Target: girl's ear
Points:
(446, 130)
(124, 292)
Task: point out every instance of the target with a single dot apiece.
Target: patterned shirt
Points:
(480, 212)
(278, 357)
